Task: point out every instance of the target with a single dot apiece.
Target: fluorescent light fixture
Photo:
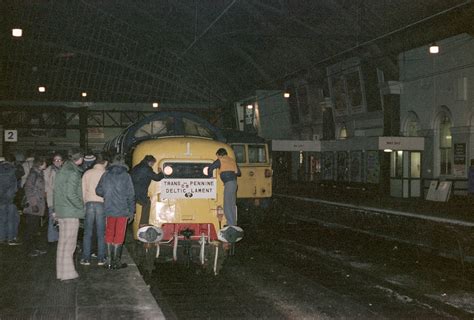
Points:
(84, 94)
(286, 95)
(434, 48)
(155, 104)
(42, 89)
(17, 33)
(387, 150)
(249, 106)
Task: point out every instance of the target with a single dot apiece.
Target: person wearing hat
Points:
(69, 209)
(89, 161)
(94, 205)
(116, 187)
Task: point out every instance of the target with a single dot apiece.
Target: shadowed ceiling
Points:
(190, 50)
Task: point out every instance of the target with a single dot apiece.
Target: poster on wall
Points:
(328, 165)
(459, 168)
(342, 166)
(356, 166)
(373, 167)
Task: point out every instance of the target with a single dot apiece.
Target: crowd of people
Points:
(99, 190)
(91, 187)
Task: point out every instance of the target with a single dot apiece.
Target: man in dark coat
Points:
(116, 187)
(8, 210)
(142, 174)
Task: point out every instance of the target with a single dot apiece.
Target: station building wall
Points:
(437, 103)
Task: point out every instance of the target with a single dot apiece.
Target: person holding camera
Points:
(34, 206)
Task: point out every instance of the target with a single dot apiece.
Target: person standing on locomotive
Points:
(142, 174)
(116, 187)
(229, 171)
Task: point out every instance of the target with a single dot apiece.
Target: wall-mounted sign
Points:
(11, 135)
(296, 145)
(402, 143)
(459, 168)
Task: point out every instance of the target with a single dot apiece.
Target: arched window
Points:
(412, 125)
(445, 145)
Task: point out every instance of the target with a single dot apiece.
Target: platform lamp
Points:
(434, 48)
(42, 89)
(286, 95)
(155, 104)
(17, 32)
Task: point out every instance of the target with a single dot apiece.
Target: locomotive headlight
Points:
(205, 170)
(168, 170)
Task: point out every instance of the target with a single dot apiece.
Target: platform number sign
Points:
(11, 135)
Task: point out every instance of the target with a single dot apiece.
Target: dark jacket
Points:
(35, 193)
(67, 196)
(226, 175)
(8, 183)
(142, 174)
(116, 187)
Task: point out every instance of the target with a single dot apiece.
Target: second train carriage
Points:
(186, 205)
(253, 157)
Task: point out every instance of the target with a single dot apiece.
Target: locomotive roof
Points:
(163, 124)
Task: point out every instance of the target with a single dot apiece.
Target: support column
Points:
(83, 128)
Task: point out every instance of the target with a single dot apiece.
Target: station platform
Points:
(456, 208)
(29, 288)
(443, 228)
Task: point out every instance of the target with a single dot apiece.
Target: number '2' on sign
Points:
(11, 135)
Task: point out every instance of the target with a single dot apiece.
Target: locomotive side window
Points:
(257, 154)
(239, 150)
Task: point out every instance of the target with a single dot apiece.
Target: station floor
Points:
(29, 289)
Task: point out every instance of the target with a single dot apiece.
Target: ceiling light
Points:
(84, 94)
(249, 106)
(387, 150)
(42, 89)
(434, 48)
(155, 104)
(17, 33)
(286, 95)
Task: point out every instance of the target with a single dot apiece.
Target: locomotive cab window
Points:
(156, 127)
(257, 154)
(195, 129)
(239, 150)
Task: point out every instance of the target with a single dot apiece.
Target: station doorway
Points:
(405, 174)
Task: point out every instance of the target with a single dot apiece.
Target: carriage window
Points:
(196, 129)
(239, 151)
(257, 154)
